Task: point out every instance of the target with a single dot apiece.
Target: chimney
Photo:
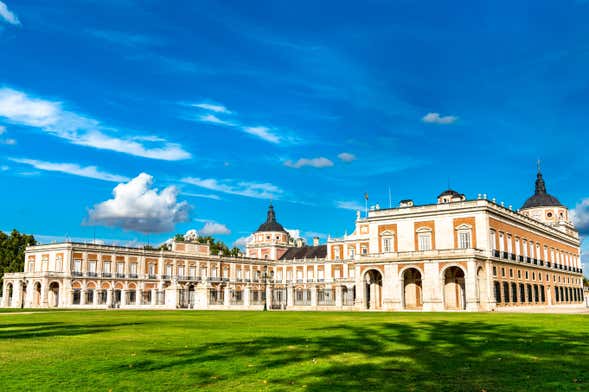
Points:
(315, 241)
(299, 242)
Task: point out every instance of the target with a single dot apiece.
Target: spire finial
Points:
(539, 168)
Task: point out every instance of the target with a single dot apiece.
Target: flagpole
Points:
(366, 204)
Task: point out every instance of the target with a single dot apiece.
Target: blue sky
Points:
(308, 104)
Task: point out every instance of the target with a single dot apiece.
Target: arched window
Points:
(506, 292)
(522, 293)
(514, 292)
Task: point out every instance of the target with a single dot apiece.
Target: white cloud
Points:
(212, 119)
(4, 168)
(349, 205)
(73, 169)
(212, 107)
(202, 195)
(346, 157)
(214, 228)
(49, 116)
(263, 133)
(435, 118)
(255, 190)
(580, 216)
(8, 15)
(139, 207)
(241, 242)
(320, 162)
(7, 141)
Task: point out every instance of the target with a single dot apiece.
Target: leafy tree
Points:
(218, 246)
(179, 237)
(585, 282)
(12, 251)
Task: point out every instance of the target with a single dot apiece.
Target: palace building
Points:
(455, 254)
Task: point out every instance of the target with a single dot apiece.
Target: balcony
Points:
(166, 277)
(77, 273)
(151, 276)
(505, 255)
(106, 275)
(91, 274)
(512, 256)
(528, 260)
(496, 253)
(521, 258)
(133, 276)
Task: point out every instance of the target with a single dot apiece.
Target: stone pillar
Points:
(226, 296)
(123, 297)
(138, 296)
(201, 297)
(290, 293)
(153, 297)
(269, 297)
(360, 290)
(313, 296)
(109, 298)
(389, 287)
(432, 290)
(95, 297)
(246, 296)
(83, 297)
(470, 286)
(43, 303)
(16, 295)
(171, 297)
(339, 301)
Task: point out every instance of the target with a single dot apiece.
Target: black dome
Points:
(449, 192)
(541, 198)
(271, 224)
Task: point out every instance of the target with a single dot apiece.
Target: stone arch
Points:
(91, 285)
(119, 286)
(76, 285)
(412, 288)
(53, 294)
(105, 285)
(132, 286)
(373, 289)
(454, 288)
(9, 293)
(482, 289)
(37, 294)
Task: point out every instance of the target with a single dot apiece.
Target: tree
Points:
(12, 251)
(585, 282)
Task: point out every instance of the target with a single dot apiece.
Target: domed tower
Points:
(271, 240)
(450, 196)
(544, 207)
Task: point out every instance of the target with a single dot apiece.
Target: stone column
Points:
(138, 296)
(246, 296)
(269, 296)
(43, 300)
(95, 297)
(470, 286)
(109, 298)
(290, 293)
(432, 290)
(360, 290)
(123, 297)
(16, 294)
(339, 301)
(314, 296)
(153, 297)
(83, 297)
(226, 296)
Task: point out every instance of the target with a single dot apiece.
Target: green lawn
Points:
(189, 350)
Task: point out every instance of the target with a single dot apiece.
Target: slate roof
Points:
(271, 224)
(309, 252)
(449, 192)
(541, 198)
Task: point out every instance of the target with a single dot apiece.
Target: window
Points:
(511, 272)
(120, 268)
(386, 245)
(106, 267)
(133, 268)
(519, 274)
(502, 271)
(493, 241)
(151, 269)
(494, 271)
(181, 270)
(527, 275)
(77, 265)
(464, 239)
(168, 269)
(364, 249)
(92, 267)
(32, 266)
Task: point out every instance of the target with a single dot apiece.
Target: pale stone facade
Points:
(457, 254)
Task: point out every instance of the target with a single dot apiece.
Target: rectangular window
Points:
(92, 267)
(464, 240)
(133, 268)
(181, 271)
(106, 267)
(425, 242)
(386, 245)
(77, 265)
(120, 268)
(151, 269)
